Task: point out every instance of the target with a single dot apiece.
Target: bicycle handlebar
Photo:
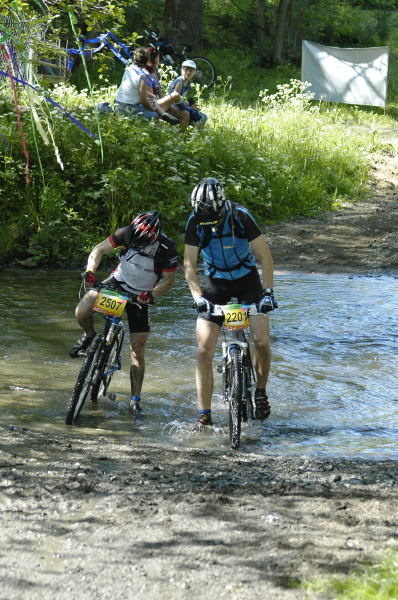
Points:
(130, 297)
(217, 309)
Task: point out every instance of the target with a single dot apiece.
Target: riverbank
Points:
(360, 237)
(119, 520)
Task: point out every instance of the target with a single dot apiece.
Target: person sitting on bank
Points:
(135, 93)
(187, 112)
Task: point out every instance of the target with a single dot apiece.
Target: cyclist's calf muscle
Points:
(84, 311)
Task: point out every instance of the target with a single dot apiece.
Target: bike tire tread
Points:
(235, 396)
(87, 370)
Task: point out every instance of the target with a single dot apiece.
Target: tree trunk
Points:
(260, 12)
(283, 7)
(183, 21)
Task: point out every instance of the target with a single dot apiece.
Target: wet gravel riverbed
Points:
(121, 519)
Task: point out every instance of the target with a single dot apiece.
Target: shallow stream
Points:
(333, 386)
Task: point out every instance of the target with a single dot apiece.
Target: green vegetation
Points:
(377, 582)
(277, 151)
(281, 156)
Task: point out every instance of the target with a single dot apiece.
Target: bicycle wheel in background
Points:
(234, 385)
(205, 71)
(109, 363)
(84, 380)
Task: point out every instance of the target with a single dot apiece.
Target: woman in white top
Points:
(135, 95)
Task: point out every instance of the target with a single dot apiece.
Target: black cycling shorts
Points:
(247, 290)
(139, 317)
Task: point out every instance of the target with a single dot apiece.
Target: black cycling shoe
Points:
(263, 408)
(135, 407)
(204, 419)
(82, 344)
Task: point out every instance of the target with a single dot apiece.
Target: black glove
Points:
(267, 302)
(89, 277)
(203, 305)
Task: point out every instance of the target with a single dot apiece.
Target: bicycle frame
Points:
(240, 339)
(103, 356)
(109, 334)
(111, 327)
(239, 379)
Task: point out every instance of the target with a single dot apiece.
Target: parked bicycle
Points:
(175, 54)
(103, 355)
(238, 374)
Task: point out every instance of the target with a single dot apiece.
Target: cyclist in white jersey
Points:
(147, 268)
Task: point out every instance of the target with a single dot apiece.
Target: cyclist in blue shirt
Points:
(231, 244)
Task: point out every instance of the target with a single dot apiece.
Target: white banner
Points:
(349, 75)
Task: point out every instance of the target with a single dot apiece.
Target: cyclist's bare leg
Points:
(206, 337)
(84, 312)
(259, 327)
(137, 369)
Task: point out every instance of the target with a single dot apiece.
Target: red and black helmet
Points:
(145, 229)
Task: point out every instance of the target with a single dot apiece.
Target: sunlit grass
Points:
(377, 582)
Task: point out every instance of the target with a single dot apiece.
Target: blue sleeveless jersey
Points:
(227, 253)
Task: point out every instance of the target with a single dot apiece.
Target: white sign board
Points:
(348, 75)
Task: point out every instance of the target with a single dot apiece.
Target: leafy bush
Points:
(281, 157)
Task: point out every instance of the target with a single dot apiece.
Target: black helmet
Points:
(208, 199)
(144, 229)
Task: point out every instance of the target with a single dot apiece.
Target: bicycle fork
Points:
(227, 347)
(108, 341)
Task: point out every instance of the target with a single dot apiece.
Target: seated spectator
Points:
(155, 95)
(135, 94)
(187, 112)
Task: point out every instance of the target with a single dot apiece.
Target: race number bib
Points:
(236, 316)
(110, 303)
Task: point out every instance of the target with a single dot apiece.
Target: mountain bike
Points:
(103, 355)
(175, 54)
(238, 374)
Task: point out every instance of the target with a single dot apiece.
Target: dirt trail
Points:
(85, 518)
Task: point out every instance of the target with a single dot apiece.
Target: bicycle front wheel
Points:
(205, 71)
(84, 381)
(109, 363)
(234, 383)
(249, 385)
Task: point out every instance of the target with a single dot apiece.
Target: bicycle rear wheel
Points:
(109, 363)
(205, 71)
(84, 380)
(234, 385)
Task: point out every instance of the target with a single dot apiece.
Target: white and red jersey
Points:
(140, 270)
